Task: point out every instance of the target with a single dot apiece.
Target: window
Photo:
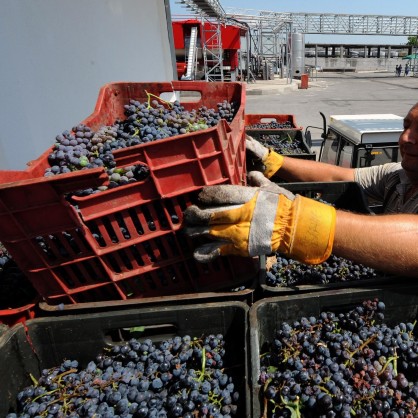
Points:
(329, 151)
(377, 156)
(346, 154)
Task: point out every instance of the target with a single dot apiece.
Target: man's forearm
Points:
(387, 243)
(296, 169)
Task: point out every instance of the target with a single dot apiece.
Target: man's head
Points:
(408, 144)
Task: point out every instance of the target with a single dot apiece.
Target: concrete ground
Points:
(333, 93)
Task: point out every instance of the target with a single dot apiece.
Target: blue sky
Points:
(362, 7)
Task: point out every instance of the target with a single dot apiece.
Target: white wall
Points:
(55, 56)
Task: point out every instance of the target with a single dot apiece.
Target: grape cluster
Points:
(179, 377)
(343, 365)
(271, 125)
(288, 272)
(284, 144)
(82, 148)
(152, 120)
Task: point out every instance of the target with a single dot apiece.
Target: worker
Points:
(265, 218)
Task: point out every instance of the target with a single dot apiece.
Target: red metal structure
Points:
(188, 35)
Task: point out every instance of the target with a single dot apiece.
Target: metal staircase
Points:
(191, 59)
(212, 50)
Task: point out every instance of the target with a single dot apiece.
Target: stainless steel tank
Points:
(298, 54)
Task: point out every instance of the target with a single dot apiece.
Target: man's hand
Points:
(251, 221)
(270, 159)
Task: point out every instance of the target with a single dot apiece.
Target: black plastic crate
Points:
(343, 195)
(268, 314)
(46, 342)
(304, 150)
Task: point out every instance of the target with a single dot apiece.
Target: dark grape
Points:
(115, 384)
(82, 148)
(333, 365)
(286, 272)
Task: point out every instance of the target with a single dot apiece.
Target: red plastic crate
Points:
(124, 243)
(252, 119)
(14, 316)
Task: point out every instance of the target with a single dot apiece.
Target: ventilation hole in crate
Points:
(150, 281)
(172, 212)
(126, 288)
(136, 255)
(115, 266)
(149, 219)
(162, 278)
(63, 274)
(65, 245)
(160, 246)
(122, 225)
(56, 246)
(78, 273)
(79, 242)
(162, 218)
(172, 245)
(172, 275)
(109, 228)
(44, 248)
(149, 251)
(93, 269)
(194, 272)
(184, 243)
(183, 273)
(183, 202)
(135, 220)
(124, 257)
(95, 232)
(138, 282)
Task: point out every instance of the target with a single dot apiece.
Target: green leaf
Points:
(137, 329)
(294, 412)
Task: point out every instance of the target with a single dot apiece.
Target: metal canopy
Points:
(333, 23)
(209, 8)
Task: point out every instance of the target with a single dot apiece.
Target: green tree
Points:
(412, 40)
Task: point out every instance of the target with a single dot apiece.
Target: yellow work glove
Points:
(251, 221)
(271, 161)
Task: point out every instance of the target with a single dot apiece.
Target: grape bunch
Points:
(341, 365)
(284, 144)
(178, 377)
(152, 120)
(271, 125)
(82, 148)
(285, 272)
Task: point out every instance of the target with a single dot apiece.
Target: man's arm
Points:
(385, 242)
(296, 169)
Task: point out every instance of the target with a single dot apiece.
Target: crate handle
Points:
(156, 332)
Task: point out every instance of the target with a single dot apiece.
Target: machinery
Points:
(360, 140)
(198, 44)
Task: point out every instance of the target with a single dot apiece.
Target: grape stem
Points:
(149, 95)
(393, 359)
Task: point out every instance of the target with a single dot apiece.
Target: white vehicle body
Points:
(362, 140)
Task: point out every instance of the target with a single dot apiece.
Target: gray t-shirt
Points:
(387, 184)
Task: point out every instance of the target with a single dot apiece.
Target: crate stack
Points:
(279, 132)
(126, 242)
(114, 273)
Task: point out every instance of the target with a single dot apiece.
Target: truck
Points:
(359, 140)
